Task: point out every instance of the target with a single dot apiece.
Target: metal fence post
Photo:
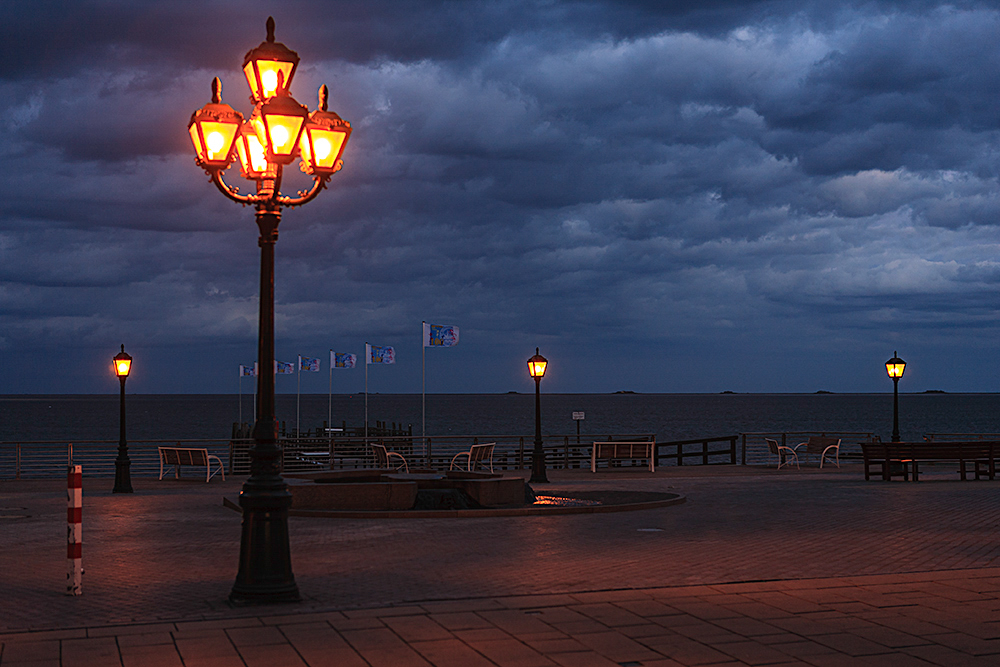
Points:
(744, 455)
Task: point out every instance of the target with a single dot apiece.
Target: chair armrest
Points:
(454, 458)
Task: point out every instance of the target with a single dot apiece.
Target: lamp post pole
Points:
(895, 368)
(279, 131)
(536, 367)
(895, 409)
(123, 465)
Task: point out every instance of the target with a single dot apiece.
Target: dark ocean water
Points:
(669, 416)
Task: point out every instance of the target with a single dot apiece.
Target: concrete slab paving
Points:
(759, 567)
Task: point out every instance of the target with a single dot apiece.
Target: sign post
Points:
(578, 417)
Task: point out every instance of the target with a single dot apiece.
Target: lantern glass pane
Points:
(268, 70)
(219, 139)
(283, 132)
(196, 140)
(248, 72)
(252, 155)
(122, 367)
(895, 370)
(326, 145)
(536, 368)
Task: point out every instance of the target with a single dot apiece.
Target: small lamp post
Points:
(279, 131)
(123, 477)
(895, 367)
(536, 368)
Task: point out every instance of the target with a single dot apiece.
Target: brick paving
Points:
(759, 567)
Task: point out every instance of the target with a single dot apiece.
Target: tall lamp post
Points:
(123, 465)
(279, 131)
(536, 368)
(895, 367)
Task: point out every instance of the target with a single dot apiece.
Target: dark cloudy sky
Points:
(663, 196)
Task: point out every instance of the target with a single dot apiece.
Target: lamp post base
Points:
(123, 477)
(538, 473)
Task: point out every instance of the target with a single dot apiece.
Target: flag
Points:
(342, 359)
(248, 371)
(440, 335)
(308, 364)
(377, 354)
(283, 367)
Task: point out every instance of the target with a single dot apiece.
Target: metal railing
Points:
(48, 458)
(850, 446)
(945, 437)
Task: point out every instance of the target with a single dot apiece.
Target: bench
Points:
(619, 451)
(478, 455)
(907, 455)
(189, 456)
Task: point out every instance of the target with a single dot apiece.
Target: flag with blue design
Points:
(284, 367)
(440, 335)
(342, 359)
(379, 354)
(308, 364)
(248, 371)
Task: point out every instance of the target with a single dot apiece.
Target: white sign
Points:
(577, 416)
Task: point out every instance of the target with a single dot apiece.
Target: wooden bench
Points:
(619, 451)
(189, 456)
(907, 455)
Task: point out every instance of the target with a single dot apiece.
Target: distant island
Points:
(935, 391)
(513, 392)
(727, 392)
(624, 391)
(824, 391)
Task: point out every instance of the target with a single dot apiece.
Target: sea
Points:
(90, 418)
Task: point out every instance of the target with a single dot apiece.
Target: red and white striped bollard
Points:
(74, 530)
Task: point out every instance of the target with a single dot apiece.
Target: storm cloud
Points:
(768, 196)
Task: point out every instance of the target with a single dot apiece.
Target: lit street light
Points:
(123, 465)
(895, 367)
(536, 368)
(279, 131)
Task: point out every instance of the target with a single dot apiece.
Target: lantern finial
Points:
(270, 28)
(324, 94)
(216, 91)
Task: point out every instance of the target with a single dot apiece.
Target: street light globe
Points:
(122, 363)
(269, 67)
(895, 367)
(537, 365)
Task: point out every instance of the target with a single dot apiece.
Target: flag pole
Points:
(368, 356)
(241, 396)
(298, 393)
(423, 389)
(329, 407)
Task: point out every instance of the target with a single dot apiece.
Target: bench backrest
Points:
(381, 455)
(622, 450)
(930, 450)
(184, 456)
(480, 453)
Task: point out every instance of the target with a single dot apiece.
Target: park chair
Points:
(821, 445)
(477, 455)
(384, 457)
(782, 452)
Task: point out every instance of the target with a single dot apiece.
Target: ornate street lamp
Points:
(895, 367)
(279, 131)
(536, 368)
(123, 476)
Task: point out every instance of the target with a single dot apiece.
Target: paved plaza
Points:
(757, 567)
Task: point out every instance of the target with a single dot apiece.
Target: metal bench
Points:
(619, 451)
(189, 456)
(477, 454)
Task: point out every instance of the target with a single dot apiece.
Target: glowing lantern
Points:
(278, 124)
(895, 367)
(323, 139)
(253, 158)
(213, 130)
(268, 65)
(536, 365)
(123, 363)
